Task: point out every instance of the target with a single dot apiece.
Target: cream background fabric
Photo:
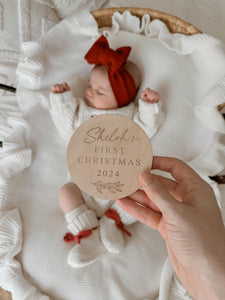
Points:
(34, 192)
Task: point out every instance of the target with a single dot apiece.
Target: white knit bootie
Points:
(112, 237)
(111, 231)
(112, 228)
(83, 225)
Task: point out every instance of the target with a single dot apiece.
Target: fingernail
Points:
(145, 178)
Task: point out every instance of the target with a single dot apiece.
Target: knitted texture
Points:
(14, 155)
(12, 134)
(88, 251)
(84, 221)
(99, 280)
(65, 8)
(16, 25)
(97, 205)
(27, 98)
(111, 236)
(73, 214)
(125, 218)
(69, 113)
(211, 118)
(10, 166)
(88, 248)
(35, 18)
(207, 112)
(11, 277)
(31, 68)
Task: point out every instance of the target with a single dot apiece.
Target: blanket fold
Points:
(11, 277)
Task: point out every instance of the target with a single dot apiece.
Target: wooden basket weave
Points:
(104, 19)
(174, 24)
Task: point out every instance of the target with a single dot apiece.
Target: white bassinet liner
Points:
(185, 72)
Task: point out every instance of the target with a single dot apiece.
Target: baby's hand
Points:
(60, 88)
(150, 96)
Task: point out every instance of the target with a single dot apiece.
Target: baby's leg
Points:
(83, 225)
(70, 197)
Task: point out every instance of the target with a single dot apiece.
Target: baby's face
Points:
(99, 93)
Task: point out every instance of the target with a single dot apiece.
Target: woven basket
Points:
(174, 24)
(104, 19)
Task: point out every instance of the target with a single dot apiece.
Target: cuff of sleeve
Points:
(63, 98)
(86, 220)
(152, 108)
(177, 289)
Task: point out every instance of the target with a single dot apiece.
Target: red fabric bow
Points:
(121, 81)
(112, 214)
(69, 237)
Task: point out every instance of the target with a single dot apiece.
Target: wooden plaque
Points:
(106, 154)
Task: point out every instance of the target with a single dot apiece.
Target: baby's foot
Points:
(60, 88)
(88, 248)
(150, 96)
(111, 231)
(112, 237)
(85, 232)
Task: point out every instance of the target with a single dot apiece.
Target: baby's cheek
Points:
(114, 103)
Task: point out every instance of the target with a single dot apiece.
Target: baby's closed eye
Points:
(100, 92)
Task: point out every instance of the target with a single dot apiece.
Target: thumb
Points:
(157, 192)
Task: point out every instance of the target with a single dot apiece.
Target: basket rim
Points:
(175, 24)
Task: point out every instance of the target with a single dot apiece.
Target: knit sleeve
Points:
(149, 116)
(170, 286)
(177, 291)
(64, 112)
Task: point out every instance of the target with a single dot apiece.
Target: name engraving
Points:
(100, 134)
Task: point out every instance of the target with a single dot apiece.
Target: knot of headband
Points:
(121, 81)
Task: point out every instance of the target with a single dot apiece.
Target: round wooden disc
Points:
(106, 154)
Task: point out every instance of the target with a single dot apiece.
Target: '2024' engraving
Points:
(106, 173)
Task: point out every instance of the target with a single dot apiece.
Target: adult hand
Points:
(186, 214)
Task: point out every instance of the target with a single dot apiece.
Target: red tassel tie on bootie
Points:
(112, 214)
(69, 237)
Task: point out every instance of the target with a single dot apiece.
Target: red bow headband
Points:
(121, 81)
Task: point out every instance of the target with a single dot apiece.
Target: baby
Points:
(98, 225)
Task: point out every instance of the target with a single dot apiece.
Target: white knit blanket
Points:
(191, 83)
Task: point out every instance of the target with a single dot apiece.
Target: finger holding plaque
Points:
(106, 155)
